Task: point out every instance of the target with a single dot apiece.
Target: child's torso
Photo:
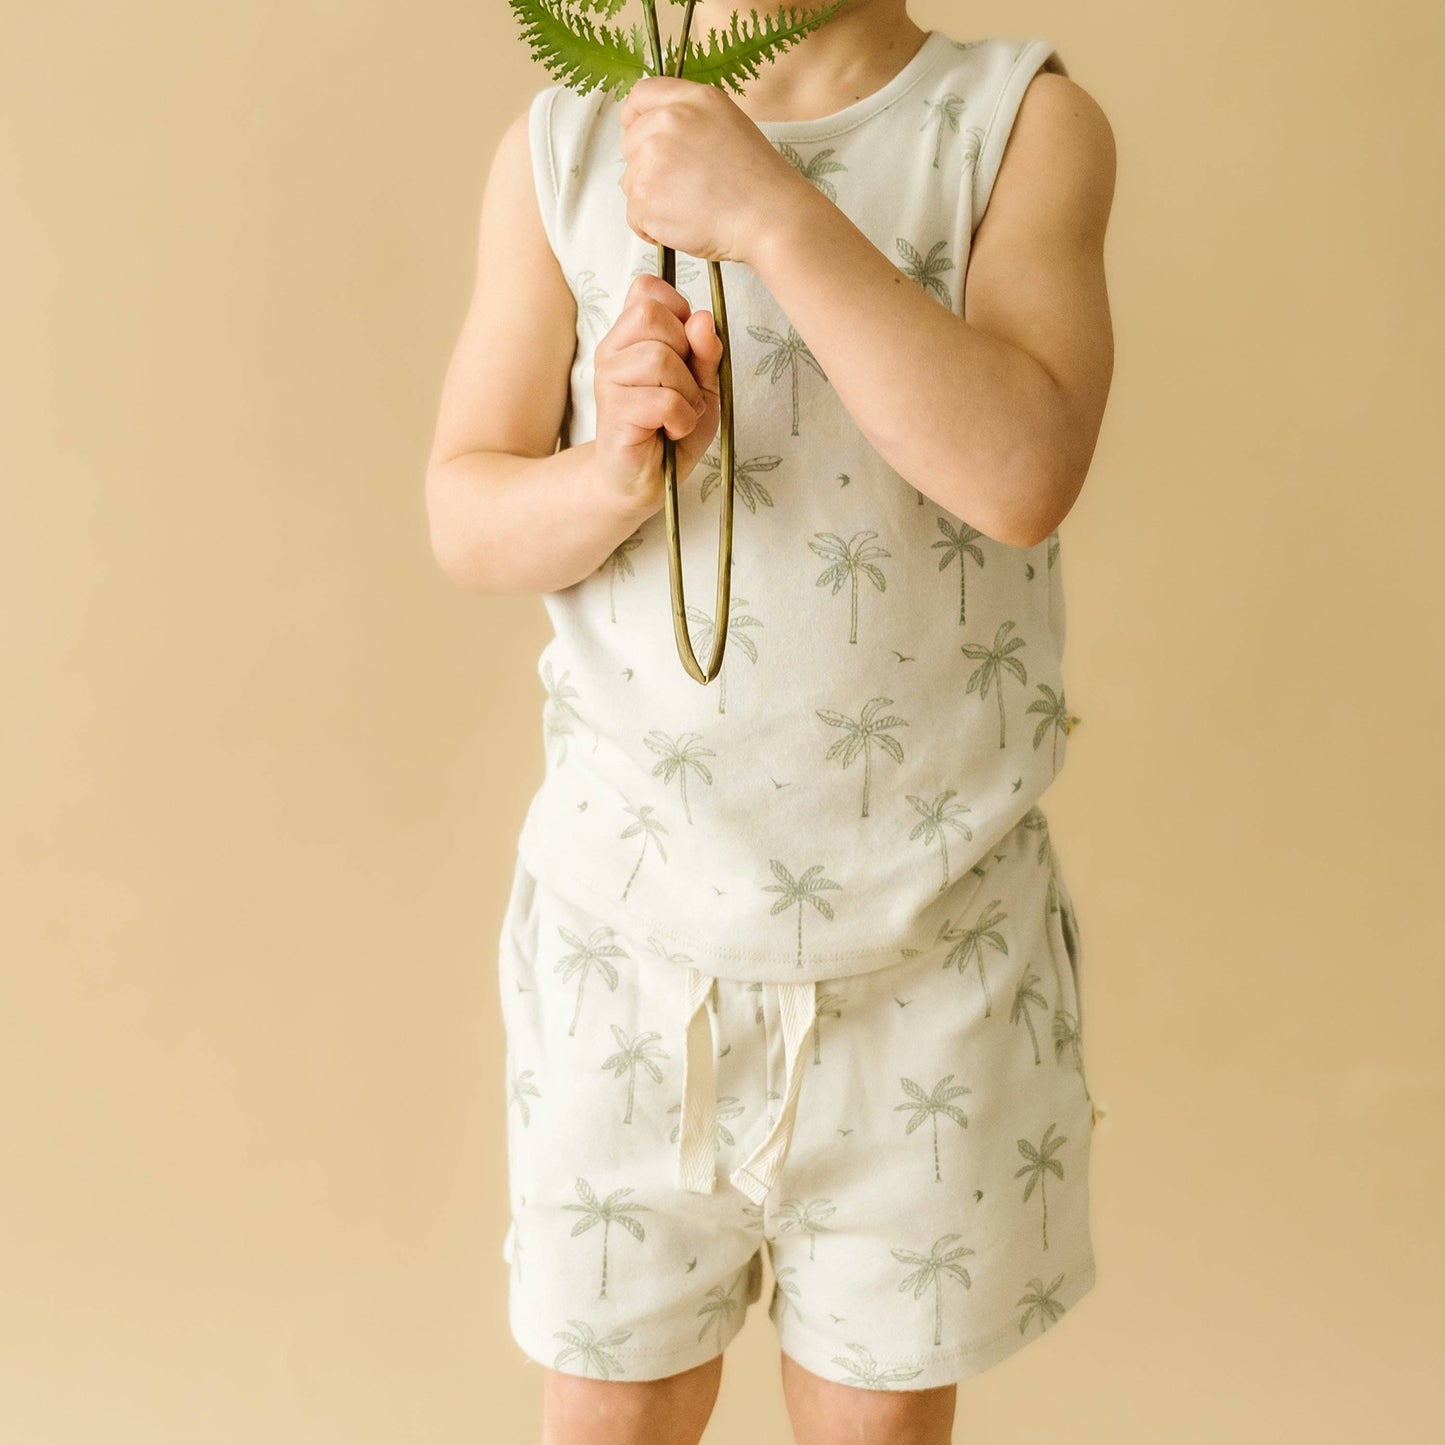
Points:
(890, 703)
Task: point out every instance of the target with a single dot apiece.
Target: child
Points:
(789, 959)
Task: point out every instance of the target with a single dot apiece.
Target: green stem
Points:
(667, 269)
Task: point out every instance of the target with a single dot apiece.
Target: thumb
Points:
(707, 349)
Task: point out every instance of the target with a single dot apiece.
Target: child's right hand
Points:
(656, 368)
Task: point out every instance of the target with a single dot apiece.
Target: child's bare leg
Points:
(675, 1410)
(825, 1413)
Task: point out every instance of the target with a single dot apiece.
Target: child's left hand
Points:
(700, 176)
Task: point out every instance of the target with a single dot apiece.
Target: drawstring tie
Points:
(697, 1142)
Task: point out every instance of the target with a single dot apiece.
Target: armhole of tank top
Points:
(544, 162)
(1032, 56)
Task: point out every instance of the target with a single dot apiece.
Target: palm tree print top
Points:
(891, 699)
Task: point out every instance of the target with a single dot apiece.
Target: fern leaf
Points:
(726, 59)
(579, 54)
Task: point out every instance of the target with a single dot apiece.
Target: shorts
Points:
(910, 1145)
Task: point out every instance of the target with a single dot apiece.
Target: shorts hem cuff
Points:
(631, 1364)
(932, 1368)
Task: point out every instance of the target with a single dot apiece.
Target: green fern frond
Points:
(586, 56)
(726, 59)
(579, 54)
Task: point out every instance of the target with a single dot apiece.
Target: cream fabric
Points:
(909, 1146)
(891, 700)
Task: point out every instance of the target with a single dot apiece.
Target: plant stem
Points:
(667, 269)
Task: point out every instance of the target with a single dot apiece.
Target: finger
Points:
(705, 344)
(650, 92)
(651, 409)
(650, 320)
(647, 285)
(651, 363)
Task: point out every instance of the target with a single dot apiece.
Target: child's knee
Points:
(673, 1410)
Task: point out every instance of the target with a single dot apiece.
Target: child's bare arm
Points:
(508, 513)
(994, 415)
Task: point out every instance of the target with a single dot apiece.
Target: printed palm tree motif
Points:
(747, 489)
(970, 943)
(558, 708)
(1053, 552)
(757, 988)
(522, 1089)
(1041, 1163)
(1035, 821)
(605, 1212)
(829, 1005)
(946, 110)
(736, 620)
(959, 544)
(727, 1107)
(930, 1106)
(721, 1306)
(996, 660)
(1040, 1302)
(865, 1370)
(926, 270)
(597, 949)
(849, 560)
(939, 816)
(932, 1268)
(679, 755)
(816, 169)
(630, 1053)
(972, 146)
(784, 1289)
(1068, 1038)
(650, 828)
(1026, 996)
(1056, 716)
(799, 890)
(589, 299)
(667, 956)
(687, 270)
(592, 1351)
(860, 735)
(621, 565)
(787, 352)
(807, 1218)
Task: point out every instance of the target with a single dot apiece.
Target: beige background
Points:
(264, 767)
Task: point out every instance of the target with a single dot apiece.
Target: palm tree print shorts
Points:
(910, 1145)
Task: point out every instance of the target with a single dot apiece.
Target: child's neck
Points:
(852, 55)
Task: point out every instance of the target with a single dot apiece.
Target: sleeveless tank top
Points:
(890, 703)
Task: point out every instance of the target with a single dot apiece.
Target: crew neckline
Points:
(865, 106)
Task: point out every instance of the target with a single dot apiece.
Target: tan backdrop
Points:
(265, 766)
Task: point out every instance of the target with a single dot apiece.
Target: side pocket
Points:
(1067, 944)
(1063, 930)
(1069, 925)
(515, 939)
